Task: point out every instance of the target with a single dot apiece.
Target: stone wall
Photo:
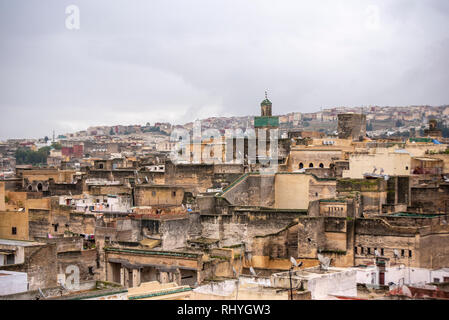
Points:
(351, 126)
(40, 264)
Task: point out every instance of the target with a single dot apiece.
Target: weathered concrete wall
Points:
(351, 126)
(393, 164)
(312, 157)
(431, 199)
(152, 195)
(14, 219)
(252, 190)
(40, 264)
(291, 191)
(174, 233)
(85, 260)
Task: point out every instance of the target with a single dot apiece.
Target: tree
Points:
(28, 156)
(56, 146)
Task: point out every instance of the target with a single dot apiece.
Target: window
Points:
(355, 250)
(402, 253)
(362, 250)
(14, 230)
(381, 251)
(406, 167)
(101, 166)
(301, 165)
(10, 259)
(56, 227)
(369, 250)
(311, 165)
(436, 280)
(321, 165)
(173, 194)
(91, 270)
(410, 253)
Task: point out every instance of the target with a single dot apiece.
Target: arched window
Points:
(30, 188)
(100, 166)
(321, 165)
(301, 165)
(39, 187)
(311, 165)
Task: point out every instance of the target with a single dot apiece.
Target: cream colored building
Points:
(296, 190)
(393, 163)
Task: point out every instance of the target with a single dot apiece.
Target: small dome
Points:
(266, 102)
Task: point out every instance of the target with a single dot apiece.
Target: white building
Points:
(13, 282)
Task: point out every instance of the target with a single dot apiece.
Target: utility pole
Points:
(291, 287)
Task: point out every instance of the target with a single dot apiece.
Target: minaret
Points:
(266, 120)
(265, 107)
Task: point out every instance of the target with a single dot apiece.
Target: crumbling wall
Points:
(174, 233)
(351, 126)
(252, 190)
(431, 199)
(40, 264)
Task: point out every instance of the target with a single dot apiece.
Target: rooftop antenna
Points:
(266, 94)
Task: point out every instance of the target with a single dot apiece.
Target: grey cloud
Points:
(139, 61)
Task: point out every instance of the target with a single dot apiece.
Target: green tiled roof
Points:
(266, 121)
(420, 140)
(266, 102)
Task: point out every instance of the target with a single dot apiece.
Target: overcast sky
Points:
(133, 62)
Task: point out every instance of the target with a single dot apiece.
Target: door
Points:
(381, 278)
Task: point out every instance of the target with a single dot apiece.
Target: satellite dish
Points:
(396, 253)
(253, 272)
(324, 262)
(293, 260)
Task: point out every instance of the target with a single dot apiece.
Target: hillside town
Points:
(341, 204)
